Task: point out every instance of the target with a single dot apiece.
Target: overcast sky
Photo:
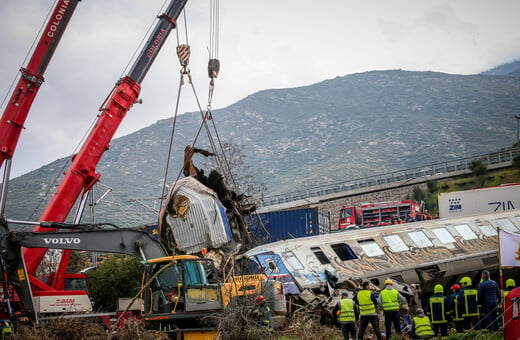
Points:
(262, 45)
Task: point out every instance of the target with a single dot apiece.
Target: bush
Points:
(117, 276)
(418, 194)
(477, 168)
(516, 162)
(432, 186)
(61, 328)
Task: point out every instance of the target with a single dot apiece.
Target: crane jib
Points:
(156, 40)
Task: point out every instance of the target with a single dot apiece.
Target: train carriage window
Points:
(371, 248)
(465, 231)
(343, 251)
(488, 230)
(420, 239)
(507, 225)
(292, 260)
(396, 243)
(443, 235)
(320, 255)
(271, 264)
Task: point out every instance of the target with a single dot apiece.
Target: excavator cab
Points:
(178, 287)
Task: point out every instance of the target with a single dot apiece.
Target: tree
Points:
(432, 186)
(477, 168)
(418, 194)
(231, 163)
(516, 162)
(117, 276)
(77, 262)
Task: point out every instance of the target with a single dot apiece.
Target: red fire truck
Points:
(379, 214)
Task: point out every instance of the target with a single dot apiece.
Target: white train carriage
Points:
(427, 252)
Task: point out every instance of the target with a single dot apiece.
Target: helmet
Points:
(389, 282)
(455, 286)
(438, 289)
(260, 298)
(344, 293)
(419, 311)
(465, 281)
(510, 283)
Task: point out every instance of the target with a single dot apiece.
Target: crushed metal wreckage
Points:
(202, 215)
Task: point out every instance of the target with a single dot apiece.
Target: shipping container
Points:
(479, 201)
(274, 226)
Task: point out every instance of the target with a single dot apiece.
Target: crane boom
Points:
(81, 175)
(17, 109)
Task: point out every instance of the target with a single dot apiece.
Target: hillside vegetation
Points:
(301, 138)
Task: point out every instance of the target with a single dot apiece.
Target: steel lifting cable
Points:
(183, 53)
(213, 70)
(170, 147)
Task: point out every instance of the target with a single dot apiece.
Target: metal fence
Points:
(491, 160)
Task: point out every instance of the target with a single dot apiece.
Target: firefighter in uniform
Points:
(390, 299)
(262, 313)
(510, 285)
(471, 311)
(457, 308)
(367, 302)
(439, 307)
(346, 312)
(421, 326)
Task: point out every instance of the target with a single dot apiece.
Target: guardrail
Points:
(463, 164)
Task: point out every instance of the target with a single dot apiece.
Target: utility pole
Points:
(517, 130)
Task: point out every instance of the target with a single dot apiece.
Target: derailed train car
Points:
(425, 253)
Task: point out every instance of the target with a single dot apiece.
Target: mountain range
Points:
(298, 138)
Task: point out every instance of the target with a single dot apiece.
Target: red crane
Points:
(17, 109)
(81, 175)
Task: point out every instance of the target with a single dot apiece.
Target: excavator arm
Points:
(125, 241)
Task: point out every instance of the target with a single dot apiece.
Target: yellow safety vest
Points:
(366, 305)
(347, 311)
(390, 300)
(6, 331)
(423, 327)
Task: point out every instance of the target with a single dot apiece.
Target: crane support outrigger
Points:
(17, 109)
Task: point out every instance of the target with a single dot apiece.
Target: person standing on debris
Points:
(439, 307)
(488, 296)
(469, 294)
(457, 308)
(346, 311)
(421, 326)
(390, 300)
(367, 302)
(262, 313)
